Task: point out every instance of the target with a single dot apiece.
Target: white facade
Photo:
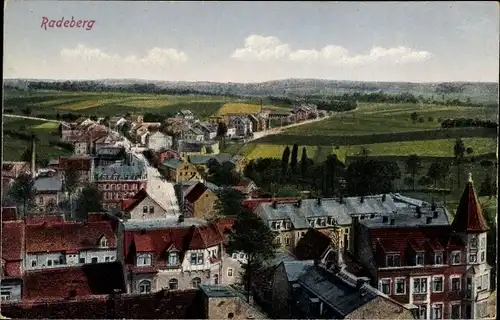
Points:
(231, 132)
(243, 126)
(158, 141)
(210, 135)
(81, 148)
(149, 209)
(192, 135)
(62, 259)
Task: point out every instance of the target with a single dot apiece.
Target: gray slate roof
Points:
(164, 223)
(173, 163)
(49, 184)
(294, 269)
(204, 159)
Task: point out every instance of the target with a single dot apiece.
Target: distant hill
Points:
(480, 92)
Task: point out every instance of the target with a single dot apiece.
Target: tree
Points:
(364, 152)
(333, 167)
(71, 182)
(469, 151)
(221, 129)
(23, 192)
(488, 187)
(413, 166)
(286, 191)
(223, 174)
(294, 158)
(89, 200)
(414, 116)
(26, 155)
(285, 158)
(229, 202)
(438, 170)
(252, 236)
(304, 163)
(458, 151)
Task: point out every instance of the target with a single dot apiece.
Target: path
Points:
(261, 134)
(30, 118)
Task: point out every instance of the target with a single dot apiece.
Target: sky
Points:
(252, 41)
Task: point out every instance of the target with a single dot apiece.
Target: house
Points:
(49, 190)
(192, 133)
(137, 119)
(158, 141)
(259, 122)
(247, 187)
(116, 122)
(199, 202)
(303, 113)
(12, 260)
(231, 132)
(106, 141)
(191, 147)
(420, 260)
(209, 130)
(56, 244)
(145, 127)
(85, 144)
(185, 115)
(13, 169)
(243, 126)
(143, 207)
(316, 290)
(110, 155)
(179, 170)
(83, 165)
(169, 154)
(168, 304)
(69, 131)
(254, 202)
(121, 180)
(81, 281)
(174, 254)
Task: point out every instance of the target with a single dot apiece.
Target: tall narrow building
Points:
(471, 226)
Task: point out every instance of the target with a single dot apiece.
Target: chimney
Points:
(275, 204)
(428, 220)
(299, 203)
(384, 196)
(33, 157)
(433, 205)
(181, 218)
(319, 201)
(435, 214)
(385, 219)
(341, 199)
(418, 209)
(362, 199)
(393, 221)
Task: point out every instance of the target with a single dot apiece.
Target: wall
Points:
(137, 212)
(363, 249)
(380, 308)
(237, 269)
(204, 206)
(281, 293)
(71, 259)
(230, 308)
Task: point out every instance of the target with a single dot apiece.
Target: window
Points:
(104, 242)
(385, 286)
(420, 285)
(144, 259)
(106, 259)
(94, 259)
(5, 295)
(437, 284)
(278, 240)
(455, 311)
(196, 282)
(82, 260)
(33, 263)
(173, 258)
(437, 311)
(151, 209)
(483, 256)
(242, 256)
(49, 263)
(399, 286)
(118, 187)
(216, 279)
(482, 282)
(419, 259)
(235, 256)
(125, 186)
(473, 243)
(173, 284)
(422, 312)
(145, 286)
(197, 258)
(473, 258)
(455, 257)
(455, 284)
(438, 258)
(287, 241)
(393, 260)
(230, 272)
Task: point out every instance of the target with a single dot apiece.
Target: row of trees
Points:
(468, 122)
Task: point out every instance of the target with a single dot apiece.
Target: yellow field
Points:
(243, 108)
(89, 104)
(47, 125)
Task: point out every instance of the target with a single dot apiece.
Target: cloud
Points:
(156, 57)
(259, 48)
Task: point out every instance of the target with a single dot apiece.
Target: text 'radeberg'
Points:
(62, 23)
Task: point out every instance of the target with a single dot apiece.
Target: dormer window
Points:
(173, 258)
(393, 260)
(455, 257)
(438, 258)
(311, 223)
(419, 259)
(143, 259)
(103, 242)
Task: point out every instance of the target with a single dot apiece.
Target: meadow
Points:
(238, 108)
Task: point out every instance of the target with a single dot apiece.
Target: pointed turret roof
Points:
(469, 216)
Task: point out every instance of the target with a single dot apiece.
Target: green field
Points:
(112, 104)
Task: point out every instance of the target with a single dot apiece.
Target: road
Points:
(261, 134)
(30, 118)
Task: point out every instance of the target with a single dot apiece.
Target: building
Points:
(13, 169)
(49, 188)
(85, 144)
(69, 131)
(56, 244)
(209, 130)
(191, 147)
(179, 171)
(121, 181)
(419, 259)
(199, 202)
(171, 253)
(202, 161)
(83, 164)
(12, 260)
(185, 115)
(158, 141)
(169, 154)
(243, 126)
(310, 290)
(144, 207)
(105, 141)
(116, 122)
(109, 155)
(247, 187)
(231, 131)
(259, 121)
(192, 133)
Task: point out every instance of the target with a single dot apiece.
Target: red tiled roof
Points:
(469, 216)
(12, 244)
(196, 192)
(90, 279)
(253, 203)
(9, 213)
(79, 163)
(68, 236)
(312, 245)
(130, 204)
(225, 224)
(143, 243)
(45, 218)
